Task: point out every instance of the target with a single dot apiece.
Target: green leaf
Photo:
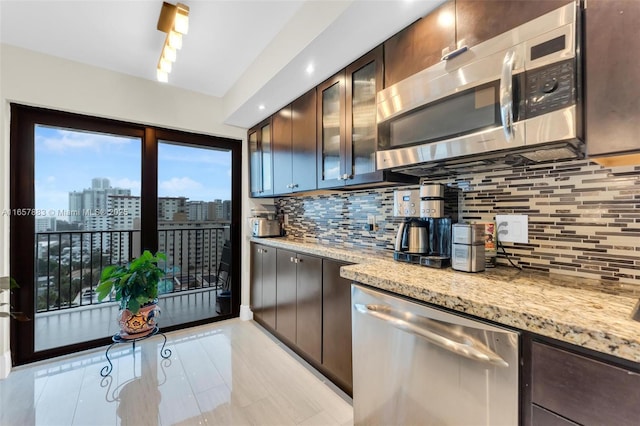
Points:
(133, 306)
(104, 288)
(107, 272)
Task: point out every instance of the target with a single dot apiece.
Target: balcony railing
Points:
(69, 263)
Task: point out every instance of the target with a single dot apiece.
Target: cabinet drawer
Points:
(584, 390)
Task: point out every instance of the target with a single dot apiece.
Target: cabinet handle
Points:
(298, 260)
(264, 250)
(291, 259)
(454, 53)
(294, 185)
(259, 250)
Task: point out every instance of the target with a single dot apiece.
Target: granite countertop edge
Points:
(527, 301)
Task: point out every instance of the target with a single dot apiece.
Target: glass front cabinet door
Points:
(347, 131)
(261, 161)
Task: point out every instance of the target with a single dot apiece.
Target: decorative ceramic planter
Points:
(134, 326)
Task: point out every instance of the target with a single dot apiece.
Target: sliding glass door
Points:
(194, 231)
(87, 216)
(89, 192)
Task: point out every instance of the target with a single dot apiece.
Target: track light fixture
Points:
(174, 21)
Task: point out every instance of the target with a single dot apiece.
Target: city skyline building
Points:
(93, 199)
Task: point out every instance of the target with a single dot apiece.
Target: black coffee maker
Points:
(439, 206)
(424, 237)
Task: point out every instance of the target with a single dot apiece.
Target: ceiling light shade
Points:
(164, 65)
(181, 21)
(174, 40)
(162, 76)
(169, 53)
(174, 17)
(174, 21)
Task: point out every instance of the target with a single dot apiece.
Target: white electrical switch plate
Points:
(513, 228)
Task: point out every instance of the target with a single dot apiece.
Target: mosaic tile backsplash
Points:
(584, 219)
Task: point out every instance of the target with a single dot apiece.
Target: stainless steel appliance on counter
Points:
(413, 364)
(424, 237)
(264, 227)
(265, 222)
(514, 99)
(468, 250)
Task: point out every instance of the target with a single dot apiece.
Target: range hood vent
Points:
(560, 151)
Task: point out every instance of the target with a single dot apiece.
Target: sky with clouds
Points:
(67, 160)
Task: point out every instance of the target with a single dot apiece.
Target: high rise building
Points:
(94, 200)
(197, 211)
(44, 224)
(75, 207)
(226, 210)
(124, 216)
(172, 208)
(214, 209)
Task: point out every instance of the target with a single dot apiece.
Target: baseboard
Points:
(5, 364)
(245, 313)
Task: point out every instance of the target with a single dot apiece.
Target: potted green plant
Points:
(136, 288)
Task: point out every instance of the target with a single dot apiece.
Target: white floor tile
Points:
(227, 373)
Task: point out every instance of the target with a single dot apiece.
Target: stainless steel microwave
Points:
(515, 97)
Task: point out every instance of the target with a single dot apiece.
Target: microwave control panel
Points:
(550, 88)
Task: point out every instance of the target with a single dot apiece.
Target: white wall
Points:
(35, 79)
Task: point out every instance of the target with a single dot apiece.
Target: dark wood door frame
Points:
(22, 195)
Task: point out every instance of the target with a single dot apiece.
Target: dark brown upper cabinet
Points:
(282, 176)
(294, 146)
(453, 25)
(420, 45)
(478, 21)
(260, 160)
(331, 132)
(612, 81)
(347, 130)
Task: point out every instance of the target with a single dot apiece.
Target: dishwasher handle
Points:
(406, 321)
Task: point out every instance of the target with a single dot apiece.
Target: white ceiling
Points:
(247, 52)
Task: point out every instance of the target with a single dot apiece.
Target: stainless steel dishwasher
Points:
(416, 365)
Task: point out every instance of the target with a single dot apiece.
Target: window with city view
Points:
(88, 205)
(194, 218)
(92, 192)
(80, 224)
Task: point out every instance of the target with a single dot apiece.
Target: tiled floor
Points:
(75, 325)
(227, 373)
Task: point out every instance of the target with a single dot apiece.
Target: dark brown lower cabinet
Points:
(299, 302)
(263, 284)
(309, 306)
(336, 325)
(540, 416)
(286, 294)
(570, 388)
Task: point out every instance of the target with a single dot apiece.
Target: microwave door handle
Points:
(418, 326)
(506, 94)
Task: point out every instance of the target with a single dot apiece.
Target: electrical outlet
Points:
(513, 228)
(371, 223)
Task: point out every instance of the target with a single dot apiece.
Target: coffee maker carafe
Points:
(412, 237)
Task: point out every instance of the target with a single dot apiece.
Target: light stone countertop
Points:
(585, 312)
